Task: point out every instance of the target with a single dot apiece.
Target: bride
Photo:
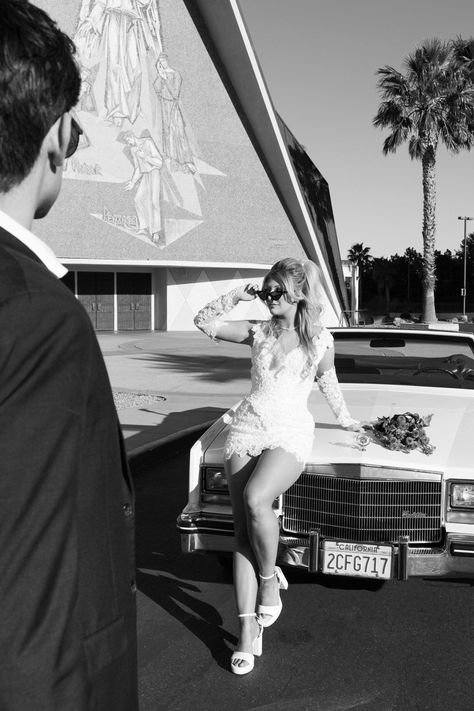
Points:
(271, 434)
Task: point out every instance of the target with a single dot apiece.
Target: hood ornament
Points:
(362, 441)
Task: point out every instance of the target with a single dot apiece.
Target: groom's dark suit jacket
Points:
(67, 602)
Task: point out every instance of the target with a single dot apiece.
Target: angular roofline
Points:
(163, 263)
(223, 31)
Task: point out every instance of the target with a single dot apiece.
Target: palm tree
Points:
(359, 255)
(432, 102)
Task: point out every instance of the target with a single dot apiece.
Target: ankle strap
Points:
(247, 614)
(267, 577)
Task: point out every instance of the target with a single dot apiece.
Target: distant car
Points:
(358, 508)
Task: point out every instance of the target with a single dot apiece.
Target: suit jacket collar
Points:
(23, 238)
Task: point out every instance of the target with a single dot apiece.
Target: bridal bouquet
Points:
(404, 432)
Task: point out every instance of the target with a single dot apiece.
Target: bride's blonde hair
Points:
(302, 282)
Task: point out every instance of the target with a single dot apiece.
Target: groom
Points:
(67, 592)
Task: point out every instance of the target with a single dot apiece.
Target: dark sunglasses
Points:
(76, 132)
(274, 294)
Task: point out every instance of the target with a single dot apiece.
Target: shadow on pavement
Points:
(198, 617)
(332, 582)
(172, 424)
(166, 576)
(211, 368)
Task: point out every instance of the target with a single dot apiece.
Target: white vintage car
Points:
(359, 508)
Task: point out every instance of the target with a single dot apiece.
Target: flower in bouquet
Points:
(404, 432)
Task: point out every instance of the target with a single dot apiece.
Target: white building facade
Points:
(186, 183)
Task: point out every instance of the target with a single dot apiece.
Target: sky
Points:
(319, 59)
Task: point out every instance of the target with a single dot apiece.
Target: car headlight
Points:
(462, 495)
(215, 479)
(214, 486)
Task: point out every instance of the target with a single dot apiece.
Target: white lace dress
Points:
(275, 412)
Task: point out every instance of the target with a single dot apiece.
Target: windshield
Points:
(431, 360)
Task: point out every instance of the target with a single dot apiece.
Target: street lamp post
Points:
(464, 289)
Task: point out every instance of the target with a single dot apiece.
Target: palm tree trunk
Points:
(429, 227)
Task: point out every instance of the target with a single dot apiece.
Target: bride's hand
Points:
(248, 292)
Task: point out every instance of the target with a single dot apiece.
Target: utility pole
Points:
(464, 288)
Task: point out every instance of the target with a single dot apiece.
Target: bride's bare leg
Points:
(275, 471)
(238, 471)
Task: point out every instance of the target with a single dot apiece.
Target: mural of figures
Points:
(146, 177)
(176, 144)
(132, 94)
(122, 31)
(87, 100)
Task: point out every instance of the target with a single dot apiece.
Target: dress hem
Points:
(245, 450)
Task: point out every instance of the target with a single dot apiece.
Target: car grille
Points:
(364, 510)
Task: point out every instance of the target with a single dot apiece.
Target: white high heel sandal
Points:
(248, 657)
(273, 611)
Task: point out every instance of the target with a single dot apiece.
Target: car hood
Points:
(451, 429)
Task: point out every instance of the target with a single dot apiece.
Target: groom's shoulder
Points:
(24, 277)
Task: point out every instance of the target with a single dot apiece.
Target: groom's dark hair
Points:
(39, 81)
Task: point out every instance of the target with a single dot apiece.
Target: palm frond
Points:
(390, 113)
(394, 140)
(463, 52)
(392, 85)
(415, 147)
(433, 100)
(431, 57)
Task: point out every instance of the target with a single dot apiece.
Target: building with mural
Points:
(186, 182)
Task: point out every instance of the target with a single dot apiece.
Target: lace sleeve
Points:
(329, 386)
(208, 318)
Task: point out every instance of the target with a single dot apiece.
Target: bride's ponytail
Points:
(308, 313)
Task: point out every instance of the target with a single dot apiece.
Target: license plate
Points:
(360, 560)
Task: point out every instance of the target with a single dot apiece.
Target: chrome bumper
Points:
(454, 559)
(200, 534)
